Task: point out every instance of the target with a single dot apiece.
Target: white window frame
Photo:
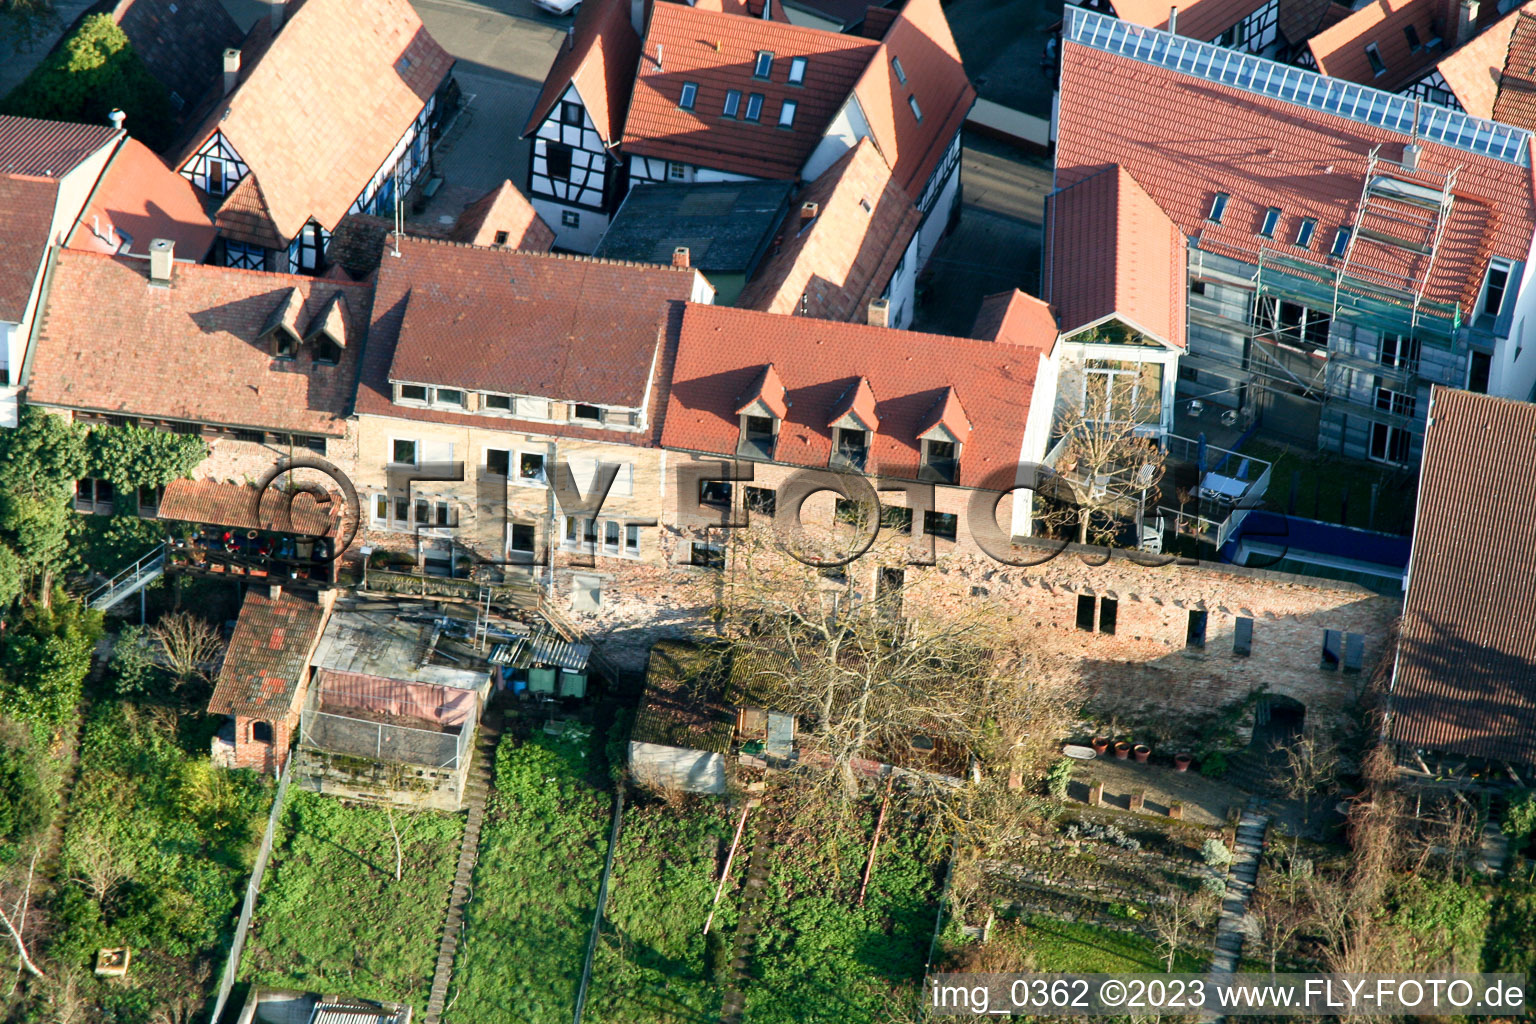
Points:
(542, 480)
(797, 71)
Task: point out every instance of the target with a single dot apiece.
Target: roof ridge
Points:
(849, 324)
(133, 260)
(573, 257)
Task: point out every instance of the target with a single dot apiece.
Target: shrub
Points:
(1215, 853)
(26, 801)
(133, 665)
(1213, 765)
(1058, 777)
(129, 457)
(46, 657)
(1520, 819)
(1216, 887)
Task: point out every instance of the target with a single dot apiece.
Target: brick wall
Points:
(258, 755)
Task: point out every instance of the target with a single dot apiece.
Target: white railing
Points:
(149, 567)
(1296, 85)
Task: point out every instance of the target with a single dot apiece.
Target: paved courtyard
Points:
(1001, 42)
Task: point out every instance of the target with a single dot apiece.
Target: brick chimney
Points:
(880, 313)
(231, 70)
(680, 256)
(162, 257)
(808, 212)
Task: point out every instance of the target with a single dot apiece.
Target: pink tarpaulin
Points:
(443, 706)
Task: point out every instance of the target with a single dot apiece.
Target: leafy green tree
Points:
(94, 71)
(26, 802)
(45, 659)
(132, 667)
(11, 578)
(39, 463)
(130, 457)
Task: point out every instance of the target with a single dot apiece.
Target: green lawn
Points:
(331, 916)
(654, 965)
(1325, 478)
(535, 886)
(1075, 948)
(821, 956)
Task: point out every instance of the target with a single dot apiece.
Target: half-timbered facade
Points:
(257, 145)
(720, 96)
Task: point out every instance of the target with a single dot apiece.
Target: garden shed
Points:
(683, 728)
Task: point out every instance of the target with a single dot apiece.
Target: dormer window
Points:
(941, 461)
(285, 344)
(850, 448)
(590, 413)
(761, 409)
(327, 351)
(281, 330)
(412, 393)
(757, 437)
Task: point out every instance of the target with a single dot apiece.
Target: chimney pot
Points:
(275, 14)
(1466, 23)
(1411, 153)
(880, 313)
(117, 117)
(1173, 20)
(680, 256)
(231, 70)
(808, 212)
(162, 257)
(275, 592)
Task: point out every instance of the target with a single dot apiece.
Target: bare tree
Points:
(189, 645)
(15, 923)
(1177, 916)
(1105, 466)
(1279, 918)
(1312, 764)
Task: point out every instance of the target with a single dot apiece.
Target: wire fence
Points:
(381, 741)
(252, 889)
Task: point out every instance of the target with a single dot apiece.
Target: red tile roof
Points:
(110, 342)
(1015, 318)
(599, 60)
(844, 259)
(268, 656)
(767, 390)
(1201, 19)
(141, 197)
(1340, 49)
(920, 38)
(1112, 252)
(946, 417)
(181, 42)
(858, 402)
(244, 216)
(335, 89)
(28, 204)
(1465, 681)
(234, 505)
(717, 52)
(722, 351)
(1472, 72)
(1300, 20)
(34, 156)
(503, 212)
(525, 323)
(1516, 102)
(1184, 139)
(48, 149)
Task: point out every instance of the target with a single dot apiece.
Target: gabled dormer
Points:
(761, 411)
(328, 332)
(942, 434)
(853, 425)
(281, 332)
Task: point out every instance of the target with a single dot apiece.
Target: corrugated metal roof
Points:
(360, 1013)
(542, 649)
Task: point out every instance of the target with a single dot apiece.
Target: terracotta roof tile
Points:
(1516, 102)
(1472, 71)
(1184, 138)
(48, 149)
(721, 352)
(1015, 318)
(1203, 19)
(687, 38)
(245, 217)
(599, 60)
(182, 42)
(141, 197)
(581, 329)
(28, 204)
(767, 390)
(288, 116)
(858, 402)
(234, 505)
(1340, 49)
(1465, 681)
(1300, 20)
(920, 39)
(1111, 251)
(110, 342)
(505, 214)
(844, 259)
(268, 656)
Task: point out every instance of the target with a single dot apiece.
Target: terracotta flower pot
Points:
(1181, 762)
(1101, 745)
(1122, 750)
(1142, 752)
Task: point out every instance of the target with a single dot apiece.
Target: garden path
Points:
(1230, 927)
